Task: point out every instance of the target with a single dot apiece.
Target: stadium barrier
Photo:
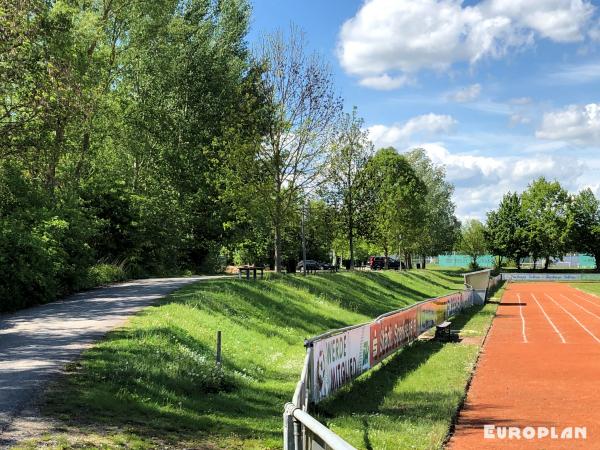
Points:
(518, 276)
(335, 358)
(479, 281)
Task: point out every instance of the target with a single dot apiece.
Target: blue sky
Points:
(498, 91)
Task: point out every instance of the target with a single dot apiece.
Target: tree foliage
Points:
(472, 240)
(506, 230)
(145, 138)
(440, 228)
(395, 195)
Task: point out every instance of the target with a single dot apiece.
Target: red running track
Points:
(539, 372)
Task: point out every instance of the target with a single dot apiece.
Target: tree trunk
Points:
(547, 263)
(85, 147)
(518, 263)
(423, 261)
(55, 156)
(351, 227)
(597, 258)
(534, 263)
(277, 244)
(385, 253)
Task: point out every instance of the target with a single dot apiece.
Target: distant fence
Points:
(548, 276)
(464, 260)
(335, 358)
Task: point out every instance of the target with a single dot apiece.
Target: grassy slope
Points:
(587, 286)
(153, 383)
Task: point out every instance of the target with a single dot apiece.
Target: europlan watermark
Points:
(531, 433)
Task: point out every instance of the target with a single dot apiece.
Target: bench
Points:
(443, 333)
(249, 269)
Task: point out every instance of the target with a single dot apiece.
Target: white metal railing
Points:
(302, 431)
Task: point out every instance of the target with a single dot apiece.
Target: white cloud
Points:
(575, 74)
(466, 94)
(393, 38)
(519, 119)
(558, 20)
(385, 82)
(401, 133)
(577, 124)
(521, 101)
(481, 181)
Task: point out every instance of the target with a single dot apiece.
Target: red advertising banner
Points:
(390, 333)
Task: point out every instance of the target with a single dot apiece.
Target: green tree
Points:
(395, 196)
(350, 153)
(440, 228)
(305, 110)
(545, 207)
(506, 230)
(584, 227)
(472, 240)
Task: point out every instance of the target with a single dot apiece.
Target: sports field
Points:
(536, 384)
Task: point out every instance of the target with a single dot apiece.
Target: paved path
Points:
(537, 379)
(37, 343)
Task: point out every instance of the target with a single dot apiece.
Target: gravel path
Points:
(37, 343)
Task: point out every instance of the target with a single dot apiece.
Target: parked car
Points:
(311, 264)
(325, 266)
(378, 263)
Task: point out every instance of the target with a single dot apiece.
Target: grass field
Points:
(153, 383)
(590, 287)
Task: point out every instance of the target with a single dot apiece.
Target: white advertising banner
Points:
(515, 276)
(338, 359)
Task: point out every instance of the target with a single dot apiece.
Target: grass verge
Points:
(153, 383)
(587, 286)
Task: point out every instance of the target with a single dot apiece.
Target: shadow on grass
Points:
(157, 381)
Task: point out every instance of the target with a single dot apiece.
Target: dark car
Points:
(325, 266)
(378, 263)
(311, 264)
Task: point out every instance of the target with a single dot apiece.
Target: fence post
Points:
(289, 442)
(219, 349)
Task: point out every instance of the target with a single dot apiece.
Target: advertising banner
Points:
(390, 333)
(455, 303)
(338, 359)
(550, 276)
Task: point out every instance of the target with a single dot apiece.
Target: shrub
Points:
(102, 274)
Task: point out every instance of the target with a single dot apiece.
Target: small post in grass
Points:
(219, 349)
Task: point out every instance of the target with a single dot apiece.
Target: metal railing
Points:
(301, 431)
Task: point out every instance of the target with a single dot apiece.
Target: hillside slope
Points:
(154, 382)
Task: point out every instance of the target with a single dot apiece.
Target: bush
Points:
(474, 267)
(102, 274)
(27, 265)
(215, 261)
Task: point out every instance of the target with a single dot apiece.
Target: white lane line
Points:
(579, 306)
(587, 300)
(522, 319)
(588, 293)
(575, 319)
(550, 320)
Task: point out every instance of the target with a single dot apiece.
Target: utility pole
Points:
(303, 240)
